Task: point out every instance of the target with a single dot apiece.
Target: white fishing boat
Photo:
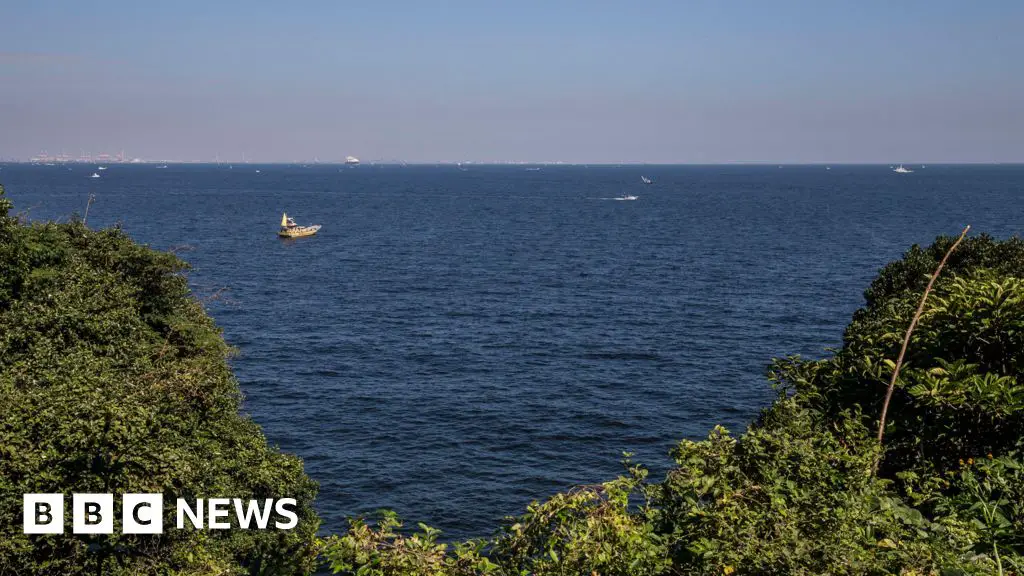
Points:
(627, 197)
(901, 170)
(351, 160)
(291, 230)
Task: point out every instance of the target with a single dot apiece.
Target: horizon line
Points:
(522, 163)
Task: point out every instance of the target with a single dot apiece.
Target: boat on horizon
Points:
(901, 170)
(351, 160)
(289, 229)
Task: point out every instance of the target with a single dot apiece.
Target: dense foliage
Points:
(114, 380)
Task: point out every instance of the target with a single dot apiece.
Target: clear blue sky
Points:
(594, 81)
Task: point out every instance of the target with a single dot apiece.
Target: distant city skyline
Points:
(603, 82)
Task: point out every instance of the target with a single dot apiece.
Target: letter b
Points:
(93, 513)
(43, 513)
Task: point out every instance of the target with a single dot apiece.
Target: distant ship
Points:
(102, 168)
(627, 197)
(645, 180)
(901, 170)
(351, 160)
(94, 175)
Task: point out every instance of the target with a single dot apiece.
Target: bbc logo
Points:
(94, 513)
(144, 513)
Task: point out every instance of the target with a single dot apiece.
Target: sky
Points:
(479, 80)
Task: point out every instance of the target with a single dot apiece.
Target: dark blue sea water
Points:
(456, 343)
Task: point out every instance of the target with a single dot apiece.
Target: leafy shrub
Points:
(959, 394)
(114, 380)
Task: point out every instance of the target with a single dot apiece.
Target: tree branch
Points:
(906, 342)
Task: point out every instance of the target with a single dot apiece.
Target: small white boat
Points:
(291, 230)
(627, 197)
(901, 170)
(101, 168)
(94, 175)
(351, 160)
(645, 180)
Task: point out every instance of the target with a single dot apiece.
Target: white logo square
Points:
(43, 513)
(142, 513)
(92, 513)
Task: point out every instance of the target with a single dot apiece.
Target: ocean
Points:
(456, 343)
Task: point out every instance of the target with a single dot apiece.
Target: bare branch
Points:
(906, 342)
(92, 198)
(181, 248)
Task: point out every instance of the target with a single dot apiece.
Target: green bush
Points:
(114, 380)
(959, 394)
(959, 398)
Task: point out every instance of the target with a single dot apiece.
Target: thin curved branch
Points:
(906, 342)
